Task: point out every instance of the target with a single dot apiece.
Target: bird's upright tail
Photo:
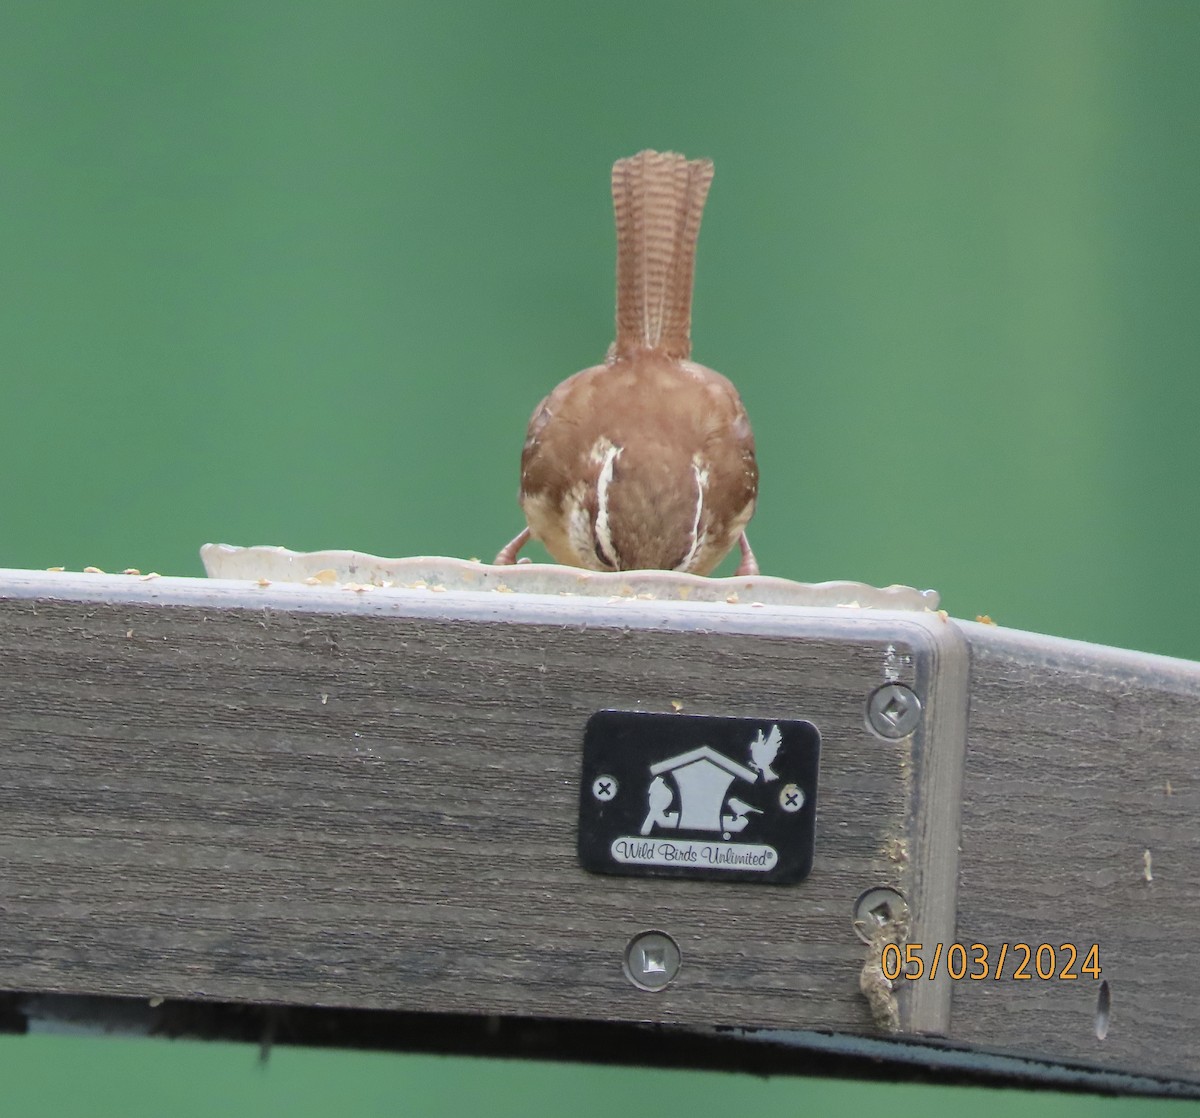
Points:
(658, 198)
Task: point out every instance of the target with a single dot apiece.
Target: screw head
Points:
(893, 711)
(651, 960)
(877, 907)
(604, 787)
(791, 798)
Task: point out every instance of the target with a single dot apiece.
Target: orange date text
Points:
(978, 962)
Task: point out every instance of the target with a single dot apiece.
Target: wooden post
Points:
(300, 795)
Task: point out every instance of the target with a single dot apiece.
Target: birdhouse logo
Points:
(701, 796)
(738, 802)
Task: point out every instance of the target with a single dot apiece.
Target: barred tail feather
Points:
(658, 200)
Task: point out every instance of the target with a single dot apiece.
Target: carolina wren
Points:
(646, 461)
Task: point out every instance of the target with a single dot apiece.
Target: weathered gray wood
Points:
(300, 794)
(305, 795)
(1079, 760)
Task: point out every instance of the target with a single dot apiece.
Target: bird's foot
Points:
(508, 553)
(748, 565)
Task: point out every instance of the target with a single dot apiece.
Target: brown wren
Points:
(647, 461)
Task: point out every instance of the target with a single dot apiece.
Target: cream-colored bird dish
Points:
(357, 571)
(646, 460)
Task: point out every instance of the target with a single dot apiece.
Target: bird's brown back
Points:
(669, 418)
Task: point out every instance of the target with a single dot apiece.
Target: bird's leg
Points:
(508, 553)
(748, 565)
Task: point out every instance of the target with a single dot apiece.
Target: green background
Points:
(298, 272)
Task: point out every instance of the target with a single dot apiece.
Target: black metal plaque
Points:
(724, 799)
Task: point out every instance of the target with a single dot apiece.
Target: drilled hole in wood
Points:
(1103, 1010)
